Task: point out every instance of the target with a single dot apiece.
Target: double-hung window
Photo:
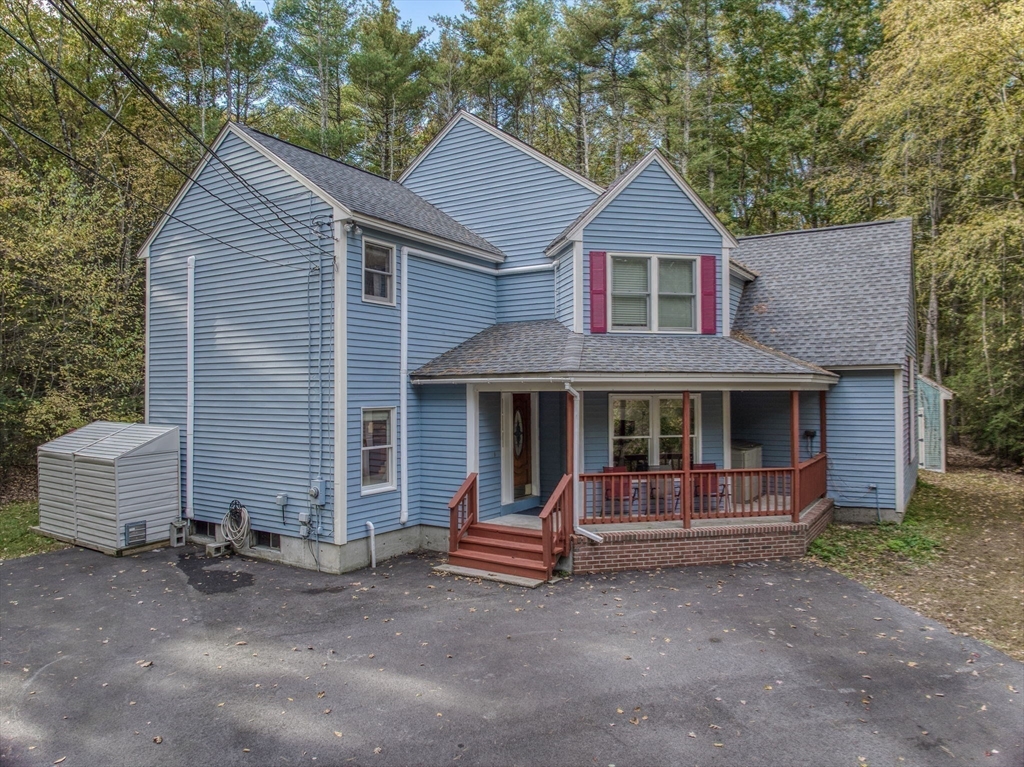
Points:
(378, 450)
(647, 431)
(378, 272)
(653, 293)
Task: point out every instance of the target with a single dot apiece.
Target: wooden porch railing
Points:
(556, 522)
(463, 512)
(683, 496)
(813, 480)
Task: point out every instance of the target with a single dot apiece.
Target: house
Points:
(496, 357)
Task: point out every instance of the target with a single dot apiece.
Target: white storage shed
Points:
(110, 486)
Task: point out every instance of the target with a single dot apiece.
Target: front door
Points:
(522, 442)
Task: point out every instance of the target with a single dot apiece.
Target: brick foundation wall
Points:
(675, 547)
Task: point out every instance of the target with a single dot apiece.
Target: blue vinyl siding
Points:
(651, 215)
(263, 379)
(490, 454)
(861, 445)
(503, 194)
(440, 440)
(447, 305)
(529, 296)
(711, 436)
(763, 417)
(564, 296)
(735, 294)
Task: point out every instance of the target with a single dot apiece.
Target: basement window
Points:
(266, 540)
(204, 528)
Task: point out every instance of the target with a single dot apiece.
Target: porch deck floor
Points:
(527, 521)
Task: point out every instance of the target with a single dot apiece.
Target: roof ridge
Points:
(826, 228)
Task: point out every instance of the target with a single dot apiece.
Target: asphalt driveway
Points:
(235, 662)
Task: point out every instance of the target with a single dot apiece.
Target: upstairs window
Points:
(378, 272)
(653, 293)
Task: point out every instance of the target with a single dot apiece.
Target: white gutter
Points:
(403, 388)
(577, 453)
(190, 366)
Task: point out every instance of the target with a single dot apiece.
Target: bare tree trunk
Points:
(227, 57)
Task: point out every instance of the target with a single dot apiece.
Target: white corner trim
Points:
(510, 140)
(507, 490)
(898, 441)
(340, 381)
(403, 382)
(725, 294)
(149, 310)
(190, 377)
(577, 286)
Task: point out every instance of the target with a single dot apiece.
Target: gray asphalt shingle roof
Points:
(371, 195)
(835, 296)
(548, 347)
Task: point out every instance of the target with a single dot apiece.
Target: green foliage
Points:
(781, 115)
(16, 539)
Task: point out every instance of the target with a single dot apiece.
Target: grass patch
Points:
(16, 540)
(918, 539)
(958, 557)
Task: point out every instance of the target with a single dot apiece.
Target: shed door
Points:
(522, 442)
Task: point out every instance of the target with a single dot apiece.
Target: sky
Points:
(416, 11)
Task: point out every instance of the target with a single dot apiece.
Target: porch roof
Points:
(548, 348)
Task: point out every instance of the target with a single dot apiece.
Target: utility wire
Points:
(75, 17)
(136, 136)
(117, 186)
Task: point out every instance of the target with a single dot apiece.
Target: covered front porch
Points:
(553, 462)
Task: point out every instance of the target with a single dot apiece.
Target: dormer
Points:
(648, 256)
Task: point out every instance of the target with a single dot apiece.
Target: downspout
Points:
(190, 335)
(403, 390)
(577, 496)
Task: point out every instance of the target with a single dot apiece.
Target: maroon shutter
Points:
(708, 295)
(598, 292)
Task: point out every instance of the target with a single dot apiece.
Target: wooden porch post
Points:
(794, 452)
(685, 490)
(821, 420)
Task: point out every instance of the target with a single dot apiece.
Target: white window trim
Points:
(393, 484)
(362, 274)
(508, 490)
(652, 303)
(655, 411)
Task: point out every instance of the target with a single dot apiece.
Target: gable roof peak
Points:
(464, 116)
(624, 180)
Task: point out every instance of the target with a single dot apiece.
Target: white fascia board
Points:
(143, 251)
(324, 196)
(738, 270)
(510, 140)
(944, 391)
(728, 240)
(639, 382)
(428, 239)
(482, 268)
(864, 367)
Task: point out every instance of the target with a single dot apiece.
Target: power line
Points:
(136, 136)
(117, 186)
(75, 17)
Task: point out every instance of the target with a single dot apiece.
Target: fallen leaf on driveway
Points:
(337, 733)
(239, 644)
(60, 760)
(158, 739)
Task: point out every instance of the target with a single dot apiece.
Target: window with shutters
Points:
(656, 293)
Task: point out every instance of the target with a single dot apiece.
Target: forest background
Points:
(782, 115)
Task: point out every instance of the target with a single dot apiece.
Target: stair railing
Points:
(556, 522)
(462, 511)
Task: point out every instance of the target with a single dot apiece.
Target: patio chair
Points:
(709, 493)
(619, 489)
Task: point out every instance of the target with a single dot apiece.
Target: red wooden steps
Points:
(502, 549)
